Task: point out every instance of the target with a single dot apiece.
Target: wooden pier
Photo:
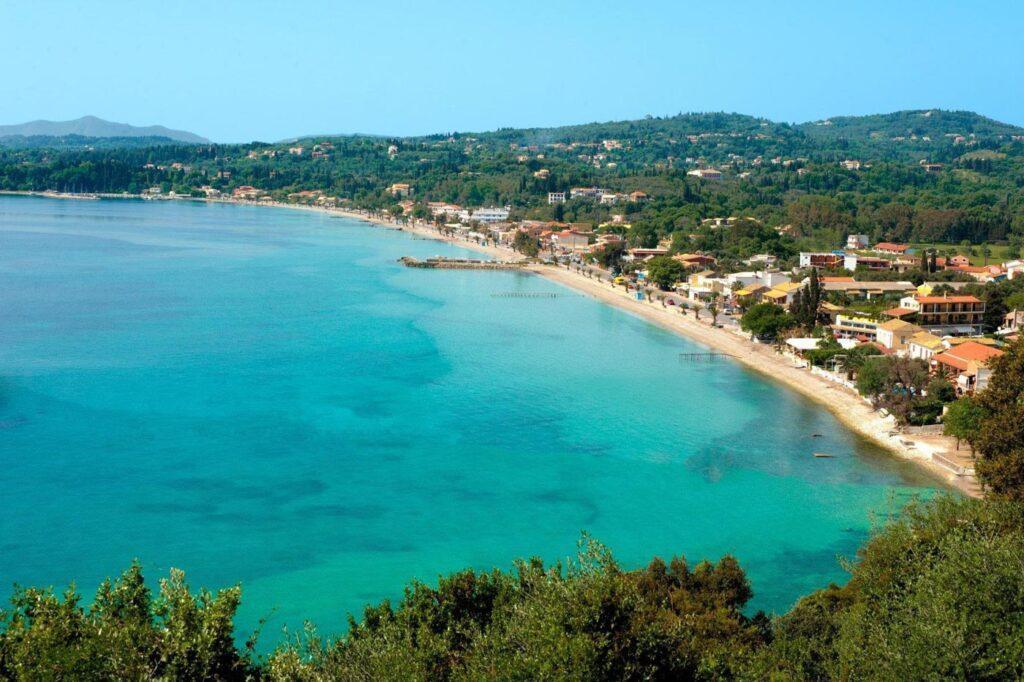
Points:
(703, 357)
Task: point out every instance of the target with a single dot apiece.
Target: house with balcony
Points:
(854, 327)
(947, 315)
(820, 259)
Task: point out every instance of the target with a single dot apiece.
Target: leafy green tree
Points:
(766, 320)
(940, 389)
(963, 420)
(526, 244)
(610, 255)
(125, 634)
(1000, 439)
(942, 573)
(806, 302)
(665, 271)
(643, 235)
(894, 383)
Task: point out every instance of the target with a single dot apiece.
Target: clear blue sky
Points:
(238, 71)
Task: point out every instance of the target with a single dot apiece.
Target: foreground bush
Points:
(125, 635)
(939, 594)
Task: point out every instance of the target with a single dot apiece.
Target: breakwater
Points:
(461, 264)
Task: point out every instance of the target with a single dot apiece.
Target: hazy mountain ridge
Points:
(93, 127)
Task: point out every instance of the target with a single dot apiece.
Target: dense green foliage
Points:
(938, 593)
(963, 419)
(898, 384)
(665, 272)
(126, 634)
(806, 302)
(1000, 436)
(766, 320)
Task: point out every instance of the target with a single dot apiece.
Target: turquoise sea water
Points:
(266, 396)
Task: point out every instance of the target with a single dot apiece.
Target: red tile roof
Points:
(961, 356)
(889, 246)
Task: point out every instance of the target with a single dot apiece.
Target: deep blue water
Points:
(267, 397)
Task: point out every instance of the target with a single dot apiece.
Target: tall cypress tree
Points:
(796, 308)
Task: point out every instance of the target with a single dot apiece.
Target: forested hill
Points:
(933, 123)
(918, 176)
(82, 142)
(721, 136)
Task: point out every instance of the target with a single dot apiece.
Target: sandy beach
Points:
(934, 453)
(849, 407)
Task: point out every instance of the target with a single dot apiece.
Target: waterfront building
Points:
(952, 315)
(854, 327)
(924, 346)
(967, 364)
(895, 334)
(571, 240)
(487, 214)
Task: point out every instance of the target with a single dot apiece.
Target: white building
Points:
(765, 259)
(489, 214)
(587, 192)
(770, 279)
(922, 346)
(1014, 268)
(706, 173)
(556, 197)
(819, 259)
(857, 241)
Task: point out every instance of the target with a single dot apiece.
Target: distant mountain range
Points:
(916, 131)
(91, 126)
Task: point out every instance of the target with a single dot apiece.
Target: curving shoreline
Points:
(848, 407)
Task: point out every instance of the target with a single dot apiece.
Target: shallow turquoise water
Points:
(266, 396)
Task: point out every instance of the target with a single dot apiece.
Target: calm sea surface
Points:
(265, 396)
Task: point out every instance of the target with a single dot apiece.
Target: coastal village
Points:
(931, 322)
(862, 307)
(818, 314)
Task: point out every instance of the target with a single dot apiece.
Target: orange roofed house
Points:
(967, 364)
(947, 315)
(890, 247)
